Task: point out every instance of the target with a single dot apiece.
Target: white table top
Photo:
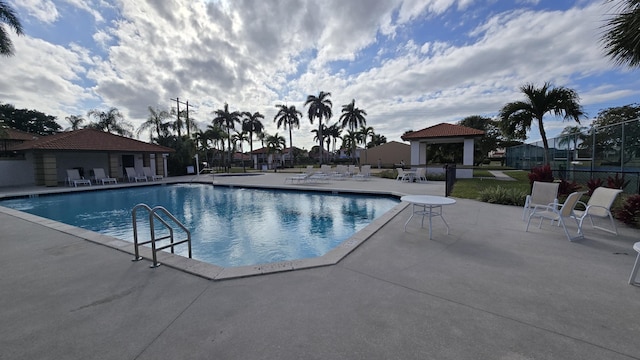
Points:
(428, 200)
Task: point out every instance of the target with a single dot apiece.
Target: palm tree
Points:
(319, 108)
(240, 137)
(516, 117)
(8, 17)
(217, 135)
(252, 124)
(621, 40)
(378, 139)
(226, 120)
(334, 132)
(75, 121)
(111, 121)
(322, 130)
(352, 117)
(366, 131)
(156, 122)
(349, 141)
(275, 144)
(288, 117)
(572, 134)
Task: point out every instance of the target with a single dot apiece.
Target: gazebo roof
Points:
(443, 130)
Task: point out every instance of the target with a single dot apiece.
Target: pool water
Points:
(229, 226)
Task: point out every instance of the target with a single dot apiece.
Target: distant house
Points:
(387, 155)
(263, 159)
(44, 160)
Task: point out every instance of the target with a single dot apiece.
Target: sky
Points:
(409, 64)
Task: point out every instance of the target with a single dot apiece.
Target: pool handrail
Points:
(153, 214)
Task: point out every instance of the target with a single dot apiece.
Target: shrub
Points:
(617, 182)
(594, 184)
(541, 173)
(629, 213)
(504, 196)
(567, 188)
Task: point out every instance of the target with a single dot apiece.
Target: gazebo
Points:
(443, 134)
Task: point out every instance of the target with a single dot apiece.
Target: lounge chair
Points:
(100, 176)
(542, 193)
(74, 178)
(599, 205)
(364, 173)
(150, 175)
(554, 212)
(133, 176)
(300, 178)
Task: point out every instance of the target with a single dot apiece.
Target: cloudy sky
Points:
(409, 64)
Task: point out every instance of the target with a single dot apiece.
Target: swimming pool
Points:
(230, 226)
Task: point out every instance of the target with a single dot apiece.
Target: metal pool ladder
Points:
(153, 216)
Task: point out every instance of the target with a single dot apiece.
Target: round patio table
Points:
(427, 205)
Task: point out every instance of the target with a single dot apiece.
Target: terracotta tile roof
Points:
(13, 134)
(265, 150)
(443, 130)
(91, 140)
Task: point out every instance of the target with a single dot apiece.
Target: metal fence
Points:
(599, 153)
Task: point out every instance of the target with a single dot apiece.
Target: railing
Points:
(153, 216)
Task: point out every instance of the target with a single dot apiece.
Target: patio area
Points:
(488, 290)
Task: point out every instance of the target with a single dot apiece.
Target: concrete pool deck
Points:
(488, 290)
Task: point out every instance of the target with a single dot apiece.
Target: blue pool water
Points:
(229, 226)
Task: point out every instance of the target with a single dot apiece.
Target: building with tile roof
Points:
(48, 157)
(443, 134)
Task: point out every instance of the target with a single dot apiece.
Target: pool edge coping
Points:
(216, 272)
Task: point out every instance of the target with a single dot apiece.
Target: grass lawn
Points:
(471, 188)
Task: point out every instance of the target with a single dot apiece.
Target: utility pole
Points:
(188, 123)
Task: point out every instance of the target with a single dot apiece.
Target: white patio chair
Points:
(599, 205)
(421, 174)
(554, 212)
(542, 193)
(402, 176)
(300, 178)
(636, 266)
(74, 178)
(133, 176)
(150, 175)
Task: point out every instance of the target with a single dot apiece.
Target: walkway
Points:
(486, 291)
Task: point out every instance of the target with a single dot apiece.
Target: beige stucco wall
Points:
(387, 154)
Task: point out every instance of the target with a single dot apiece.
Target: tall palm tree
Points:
(288, 117)
(216, 134)
(333, 132)
(252, 124)
(352, 117)
(319, 108)
(621, 39)
(111, 121)
(155, 121)
(8, 17)
(516, 117)
(238, 138)
(226, 120)
(75, 121)
(366, 131)
(275, 144)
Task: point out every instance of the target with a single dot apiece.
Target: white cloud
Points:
(43, 10)
(255, 54)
